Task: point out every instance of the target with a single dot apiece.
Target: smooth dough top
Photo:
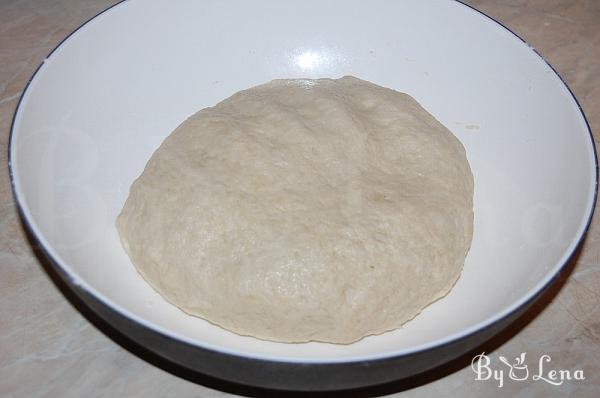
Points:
(304, 210)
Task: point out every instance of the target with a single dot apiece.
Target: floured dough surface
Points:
(304, 210)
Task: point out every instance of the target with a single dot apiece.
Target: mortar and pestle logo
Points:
(519, 370)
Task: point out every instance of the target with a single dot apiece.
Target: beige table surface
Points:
(48, 349)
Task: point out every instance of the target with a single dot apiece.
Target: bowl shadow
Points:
(429, 376)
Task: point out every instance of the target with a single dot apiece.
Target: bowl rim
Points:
(76, 282)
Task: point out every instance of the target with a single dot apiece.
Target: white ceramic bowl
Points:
(102, 102)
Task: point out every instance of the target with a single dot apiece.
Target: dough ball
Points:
(304, 210)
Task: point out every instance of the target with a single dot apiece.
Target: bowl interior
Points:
(106, 98)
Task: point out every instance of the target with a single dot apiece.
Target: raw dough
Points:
(304, 210)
